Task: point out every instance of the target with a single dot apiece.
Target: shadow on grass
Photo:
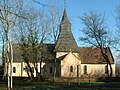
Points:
(32, 85)
(72, 86)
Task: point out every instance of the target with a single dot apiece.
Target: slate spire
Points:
(65, 40)
(65, 17)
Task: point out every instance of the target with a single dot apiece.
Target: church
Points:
(78, 61)
(71, 60)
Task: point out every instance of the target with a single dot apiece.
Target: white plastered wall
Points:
(69, 60)
(96, 69)
(20, 69)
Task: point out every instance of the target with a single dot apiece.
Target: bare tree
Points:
(42, 4)
(117, 33)
(2, 56)
(2, 36)
(54, 28)
(32, 33)
(9, 11)
(96, 35)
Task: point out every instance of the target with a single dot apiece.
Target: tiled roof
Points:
(87, 55)
(94, 56)
(48, 52)
(61, 57)
(17, 53)
(66, 39)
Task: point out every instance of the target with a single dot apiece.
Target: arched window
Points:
(14, 69)
(106, 69)
(85, 69)
(71, 68)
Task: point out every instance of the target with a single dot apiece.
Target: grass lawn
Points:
(61, 86)
(3, 87)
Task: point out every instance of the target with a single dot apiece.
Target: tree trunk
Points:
(30, 70)
(108, 63)
(54, 73)
(36, 69)
(3, 60)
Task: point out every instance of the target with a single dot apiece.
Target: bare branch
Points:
(96, 34)
(44, 5)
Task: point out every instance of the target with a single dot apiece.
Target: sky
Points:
(76, 8)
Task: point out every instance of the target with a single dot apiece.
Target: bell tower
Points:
(66, 40)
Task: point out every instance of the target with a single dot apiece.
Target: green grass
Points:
(3, 88)
(61, 86)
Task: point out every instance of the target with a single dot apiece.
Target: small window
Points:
(50, 69)
(85, 69)
(14, 69)
(71, 68)
(32, 69)
(106, 69)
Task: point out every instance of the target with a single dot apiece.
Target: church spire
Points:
(65, 17)
(66, 40)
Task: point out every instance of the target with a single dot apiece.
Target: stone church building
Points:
(71, 60)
